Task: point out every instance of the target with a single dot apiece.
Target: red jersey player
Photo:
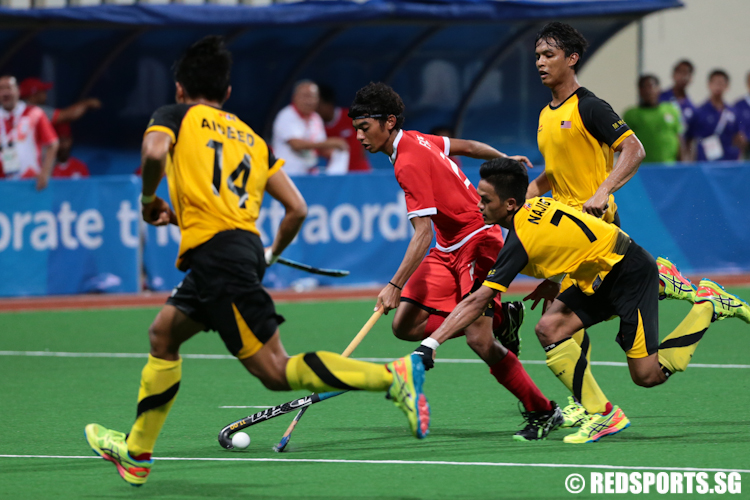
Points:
(426, 289)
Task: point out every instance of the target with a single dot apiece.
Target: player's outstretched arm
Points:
(281, 187)
(631, 155)
(464, 314)
(482, 151)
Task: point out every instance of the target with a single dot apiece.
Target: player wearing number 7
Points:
(439, 195)
(218, 170)
(612, 276)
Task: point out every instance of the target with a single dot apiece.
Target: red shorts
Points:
(443, 279)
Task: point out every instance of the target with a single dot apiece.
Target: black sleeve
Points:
(510, 261)
(271, 157)
(169, 116)
(600, 119)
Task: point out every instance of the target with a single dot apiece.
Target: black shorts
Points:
(630, 291)
(223, 291)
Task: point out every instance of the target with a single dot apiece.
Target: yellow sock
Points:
(160, 381)
(677, 348)
(326, 371)
(582, 339)
(567, 362)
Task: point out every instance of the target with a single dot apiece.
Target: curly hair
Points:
(205, 68)
(565, 37)
(378, 99)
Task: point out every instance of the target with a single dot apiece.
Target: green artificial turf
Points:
(698, 419)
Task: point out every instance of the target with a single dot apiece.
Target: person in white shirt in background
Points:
(299, 134)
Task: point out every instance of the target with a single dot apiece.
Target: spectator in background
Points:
(34, 91)
(27, 139)
(67, 166)
(298, 131)
(742, 111)
(445, 131)
(338, 124)
(682, 75)
(715, 128)
(657, 124)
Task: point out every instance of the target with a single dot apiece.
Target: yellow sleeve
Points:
(160, 128)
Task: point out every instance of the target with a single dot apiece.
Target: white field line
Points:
(405, 462)
(54, 354)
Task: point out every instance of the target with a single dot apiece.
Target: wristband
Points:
(145, 200)
(394, 285)
(431, 343)
(558, 278)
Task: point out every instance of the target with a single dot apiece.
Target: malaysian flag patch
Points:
(566, 124)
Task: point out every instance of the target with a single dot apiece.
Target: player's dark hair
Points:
(684, 62)
(718, 72)
(327, 94)
(565, 37)
(205, 68)
(378, 99)
(644, 78)
(508, 177)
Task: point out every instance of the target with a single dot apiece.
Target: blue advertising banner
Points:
(80, 236)
(354, 222)
(76, 236)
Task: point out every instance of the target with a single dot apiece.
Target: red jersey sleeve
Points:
(443, 143)
(44, 132)
(416, 182)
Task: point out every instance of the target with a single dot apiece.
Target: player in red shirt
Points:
(338, 124)
(67, 166)
(426, 289)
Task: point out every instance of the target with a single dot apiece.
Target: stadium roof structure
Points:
(467, 64)
(336, 11)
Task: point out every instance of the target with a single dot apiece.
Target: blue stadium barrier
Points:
(83, 236)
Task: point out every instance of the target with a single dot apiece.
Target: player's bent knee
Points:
(161, 347)
(405, 332)
(648, 379)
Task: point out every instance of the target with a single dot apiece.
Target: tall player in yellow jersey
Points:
(578, 134)
(218, 169)
(611, 275)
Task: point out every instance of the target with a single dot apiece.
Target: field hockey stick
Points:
(349, 349)
(336, 273)
(225, 435)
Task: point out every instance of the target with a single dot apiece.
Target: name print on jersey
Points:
(540, 207)
(229, 133)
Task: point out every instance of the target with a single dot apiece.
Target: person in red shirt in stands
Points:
(34, 92)
(338, 124)
(67, 166)
(28, 142)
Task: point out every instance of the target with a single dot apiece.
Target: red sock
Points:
(512, 375)
(497, 317)
(433, 323)
(608, 408)
(141, 457)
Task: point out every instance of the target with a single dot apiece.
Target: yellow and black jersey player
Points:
(218, 170)
(611, 275)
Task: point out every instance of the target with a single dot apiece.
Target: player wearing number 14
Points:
(226, 192)
(218, 170)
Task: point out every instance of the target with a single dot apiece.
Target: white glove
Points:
(270, 257)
